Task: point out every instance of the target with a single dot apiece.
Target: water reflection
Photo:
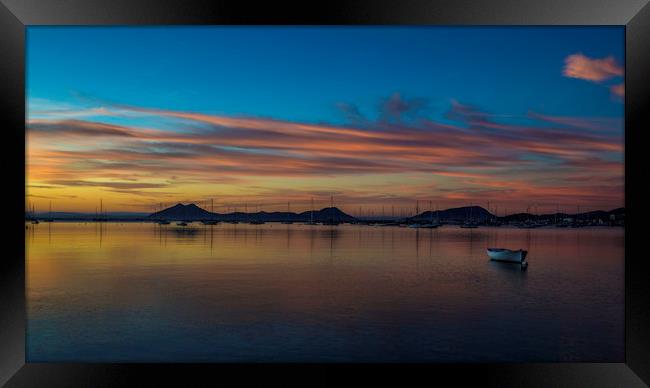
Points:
(518, 271)
(292, 292)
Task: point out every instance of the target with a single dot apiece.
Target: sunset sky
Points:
(375, 116)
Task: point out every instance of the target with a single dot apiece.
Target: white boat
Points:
(502, 254)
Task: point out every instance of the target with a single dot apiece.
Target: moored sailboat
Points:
(469, 223)
(331, 220)
(211, 221)
(431, 224)
(417, 212)
(288, 220)
(258, 220)
(49, 217)
(311, 214)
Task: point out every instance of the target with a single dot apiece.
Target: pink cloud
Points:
(618, 90)
(591, 69)
(480, 160)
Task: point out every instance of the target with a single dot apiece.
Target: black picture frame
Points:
(15, 15)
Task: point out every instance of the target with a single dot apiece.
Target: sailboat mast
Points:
(430, 213)
(311, 213)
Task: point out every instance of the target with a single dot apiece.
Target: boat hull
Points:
(507, 255)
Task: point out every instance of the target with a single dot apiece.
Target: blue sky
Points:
(303, 73)
(377, 116)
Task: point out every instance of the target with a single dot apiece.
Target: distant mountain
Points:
(327, 214)
(182, 212)
(618, 211)
(479, 214)
(192, 212)
(603, 215)
(457, 214)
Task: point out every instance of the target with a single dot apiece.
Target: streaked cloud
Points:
(567, 159)
(77, 127)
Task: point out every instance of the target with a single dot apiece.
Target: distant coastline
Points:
(459, 215)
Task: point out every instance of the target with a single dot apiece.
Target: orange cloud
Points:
(591, 69)
(618, 90)
(483, 160)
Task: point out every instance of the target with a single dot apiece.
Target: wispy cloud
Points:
(114, 185)
(77, 127)
(591, 69)
(351, 112)
(481, 158)
(596, 70)
(395, 107)
(618, 89)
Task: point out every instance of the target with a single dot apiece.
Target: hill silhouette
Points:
(192, 212)
(182, 212)
(457, 214)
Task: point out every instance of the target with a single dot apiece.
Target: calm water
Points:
(273, 292)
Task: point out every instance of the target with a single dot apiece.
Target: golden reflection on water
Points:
(300, 292)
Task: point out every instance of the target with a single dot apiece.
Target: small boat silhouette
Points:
(508, 255)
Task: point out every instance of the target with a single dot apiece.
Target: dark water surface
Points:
(142, 292)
